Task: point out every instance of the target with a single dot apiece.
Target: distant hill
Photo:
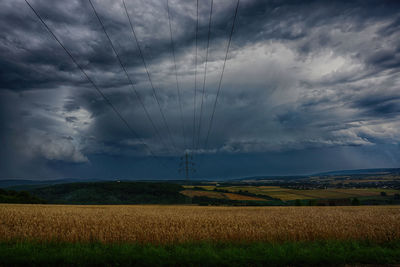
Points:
(29, 185)
(21, 184)
(10, 183)
(330, 173)
(270, 178)
(360, 171)
(111, 193)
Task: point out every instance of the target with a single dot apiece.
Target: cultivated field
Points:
(219, 195)
(173, 224)
(292, 194)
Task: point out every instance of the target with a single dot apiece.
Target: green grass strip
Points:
(196, 254)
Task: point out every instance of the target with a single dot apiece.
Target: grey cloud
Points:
(300, 75)
(54, 148)
(71, 119)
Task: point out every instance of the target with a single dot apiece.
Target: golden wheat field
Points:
(173, 224)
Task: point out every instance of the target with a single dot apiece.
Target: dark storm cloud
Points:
(301, 76)
(380, 105)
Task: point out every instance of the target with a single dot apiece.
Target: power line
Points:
(141, 53)
(176, 75)
(195, 75)
(130, 81)
(222, 74)
(124, 121)
(205, 74)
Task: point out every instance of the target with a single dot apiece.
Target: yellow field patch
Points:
(195, 193)
(206, 187)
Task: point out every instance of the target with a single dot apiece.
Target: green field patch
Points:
(199, 254)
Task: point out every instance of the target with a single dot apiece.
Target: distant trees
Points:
(312, 202)
(113, 193)
(355, 202)
(11, 196)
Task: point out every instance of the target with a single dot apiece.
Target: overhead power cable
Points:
(106, 99)
(222, 75)
(143, 60)
(195, 76)
(132, 86)
(176, 75)
(205, 76)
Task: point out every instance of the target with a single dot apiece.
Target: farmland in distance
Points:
(286, 194)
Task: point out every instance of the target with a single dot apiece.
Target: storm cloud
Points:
(308, 86)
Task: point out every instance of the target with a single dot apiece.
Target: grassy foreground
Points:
(205, 254)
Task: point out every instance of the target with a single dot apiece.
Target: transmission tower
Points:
(187, 165)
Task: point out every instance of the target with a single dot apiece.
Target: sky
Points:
(308, 86)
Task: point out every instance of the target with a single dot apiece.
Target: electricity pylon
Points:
(187, 165)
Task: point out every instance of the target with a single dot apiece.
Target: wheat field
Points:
(174, 224)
